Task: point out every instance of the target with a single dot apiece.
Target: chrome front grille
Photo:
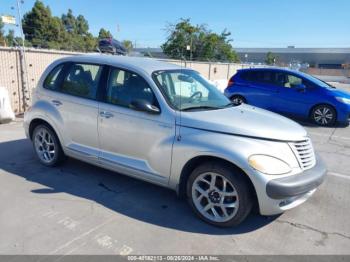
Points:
(304, 152)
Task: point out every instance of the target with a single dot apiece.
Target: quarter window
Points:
(125, 87)
(265, 77)
(51, 81)
(82, 80)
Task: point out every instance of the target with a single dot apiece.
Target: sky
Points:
(253, 23)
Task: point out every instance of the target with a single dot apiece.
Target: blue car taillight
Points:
(230, 82)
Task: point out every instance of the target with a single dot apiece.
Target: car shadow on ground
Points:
(127, 196)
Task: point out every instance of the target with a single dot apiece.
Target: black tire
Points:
(238, 100)
(241, 186)
(323, 115)
(58, 156)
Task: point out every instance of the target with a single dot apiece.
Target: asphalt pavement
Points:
(81, 209)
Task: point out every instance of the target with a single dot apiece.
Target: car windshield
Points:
(187, 90)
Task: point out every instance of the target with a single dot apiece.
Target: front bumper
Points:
(343, 113)
(285, 193)
(26, 125)
(297, 185)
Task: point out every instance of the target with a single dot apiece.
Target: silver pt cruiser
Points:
(168, 125)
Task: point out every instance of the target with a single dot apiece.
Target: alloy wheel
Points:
(237, 100)
(323, 116)
(215, 197)
(44, 145)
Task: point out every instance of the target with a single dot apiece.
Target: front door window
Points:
(125, 87)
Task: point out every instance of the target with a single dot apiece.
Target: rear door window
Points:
(266, 77)
(82, 80)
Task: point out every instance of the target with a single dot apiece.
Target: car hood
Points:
(245, 120)
(339, 93)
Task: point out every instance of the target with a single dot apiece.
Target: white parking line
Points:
(70, 252)
(339, 175)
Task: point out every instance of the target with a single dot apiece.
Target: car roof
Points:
(277, 69)
(137, 64)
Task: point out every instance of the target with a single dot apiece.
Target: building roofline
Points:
(293, 50)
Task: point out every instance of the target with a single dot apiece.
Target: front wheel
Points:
(324, 115)
(219, 195)
(238, 100)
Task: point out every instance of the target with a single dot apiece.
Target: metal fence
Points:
(12, 68)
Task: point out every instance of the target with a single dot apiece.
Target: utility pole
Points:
(118, 30)
(23, 62)
(188, 48)
(191, 48)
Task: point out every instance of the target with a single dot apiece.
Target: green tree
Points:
(104, 33)
(128, 45)
(270, 58)
(69, 21)
(2, 40)
(75, 25)
(180, 36)
(41, 28)
(204, 44)
(56, 34)
(1, 27)
(90, 42)
(78, 37)
(82, 25)
(10, 38)
(17, 41)
(68, 32)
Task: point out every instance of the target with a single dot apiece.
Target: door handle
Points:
(56, 102)
(106, 114)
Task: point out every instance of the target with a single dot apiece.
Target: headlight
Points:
(343, 100)
(269, 165)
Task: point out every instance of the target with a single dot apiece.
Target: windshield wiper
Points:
(201, 107)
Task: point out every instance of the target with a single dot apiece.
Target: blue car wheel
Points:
(238, 100)
(324, 115)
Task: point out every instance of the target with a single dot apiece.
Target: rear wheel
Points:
(219, 195)
(47, 146)
(238, 100)
(324, 115)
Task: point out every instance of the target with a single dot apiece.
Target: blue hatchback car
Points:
(290, 92)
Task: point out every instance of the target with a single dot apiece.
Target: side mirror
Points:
(144, 106)
(300, 87)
